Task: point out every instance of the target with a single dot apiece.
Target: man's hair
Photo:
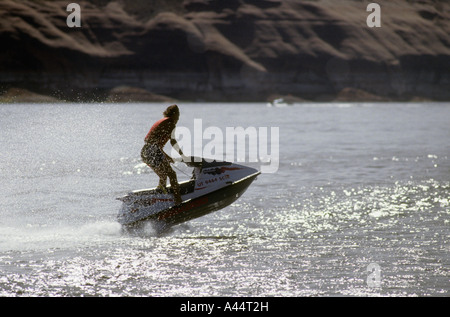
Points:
(171, 111)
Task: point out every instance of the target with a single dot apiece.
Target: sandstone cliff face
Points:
(227, 50)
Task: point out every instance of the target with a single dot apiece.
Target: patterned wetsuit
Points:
(152, 153)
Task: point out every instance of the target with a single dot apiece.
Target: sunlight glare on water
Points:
(357, 184)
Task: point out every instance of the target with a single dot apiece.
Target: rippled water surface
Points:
(358, 186)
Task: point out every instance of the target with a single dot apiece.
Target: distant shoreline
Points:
(198, 50)
(126, 94)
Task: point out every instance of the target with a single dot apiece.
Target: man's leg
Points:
(175, 186)
(166, 170)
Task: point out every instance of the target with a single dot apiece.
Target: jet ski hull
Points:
(204, 205)
(214, 187)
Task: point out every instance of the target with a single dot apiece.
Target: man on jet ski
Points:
(153, 155)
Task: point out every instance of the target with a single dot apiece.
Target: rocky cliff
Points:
(227, 50)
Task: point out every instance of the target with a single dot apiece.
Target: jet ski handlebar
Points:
(191, 161)
(195, 161)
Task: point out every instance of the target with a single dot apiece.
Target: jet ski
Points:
(213, 186)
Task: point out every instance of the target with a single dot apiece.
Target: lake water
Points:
(358, 206)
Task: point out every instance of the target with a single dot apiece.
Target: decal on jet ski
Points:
(202, 184)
